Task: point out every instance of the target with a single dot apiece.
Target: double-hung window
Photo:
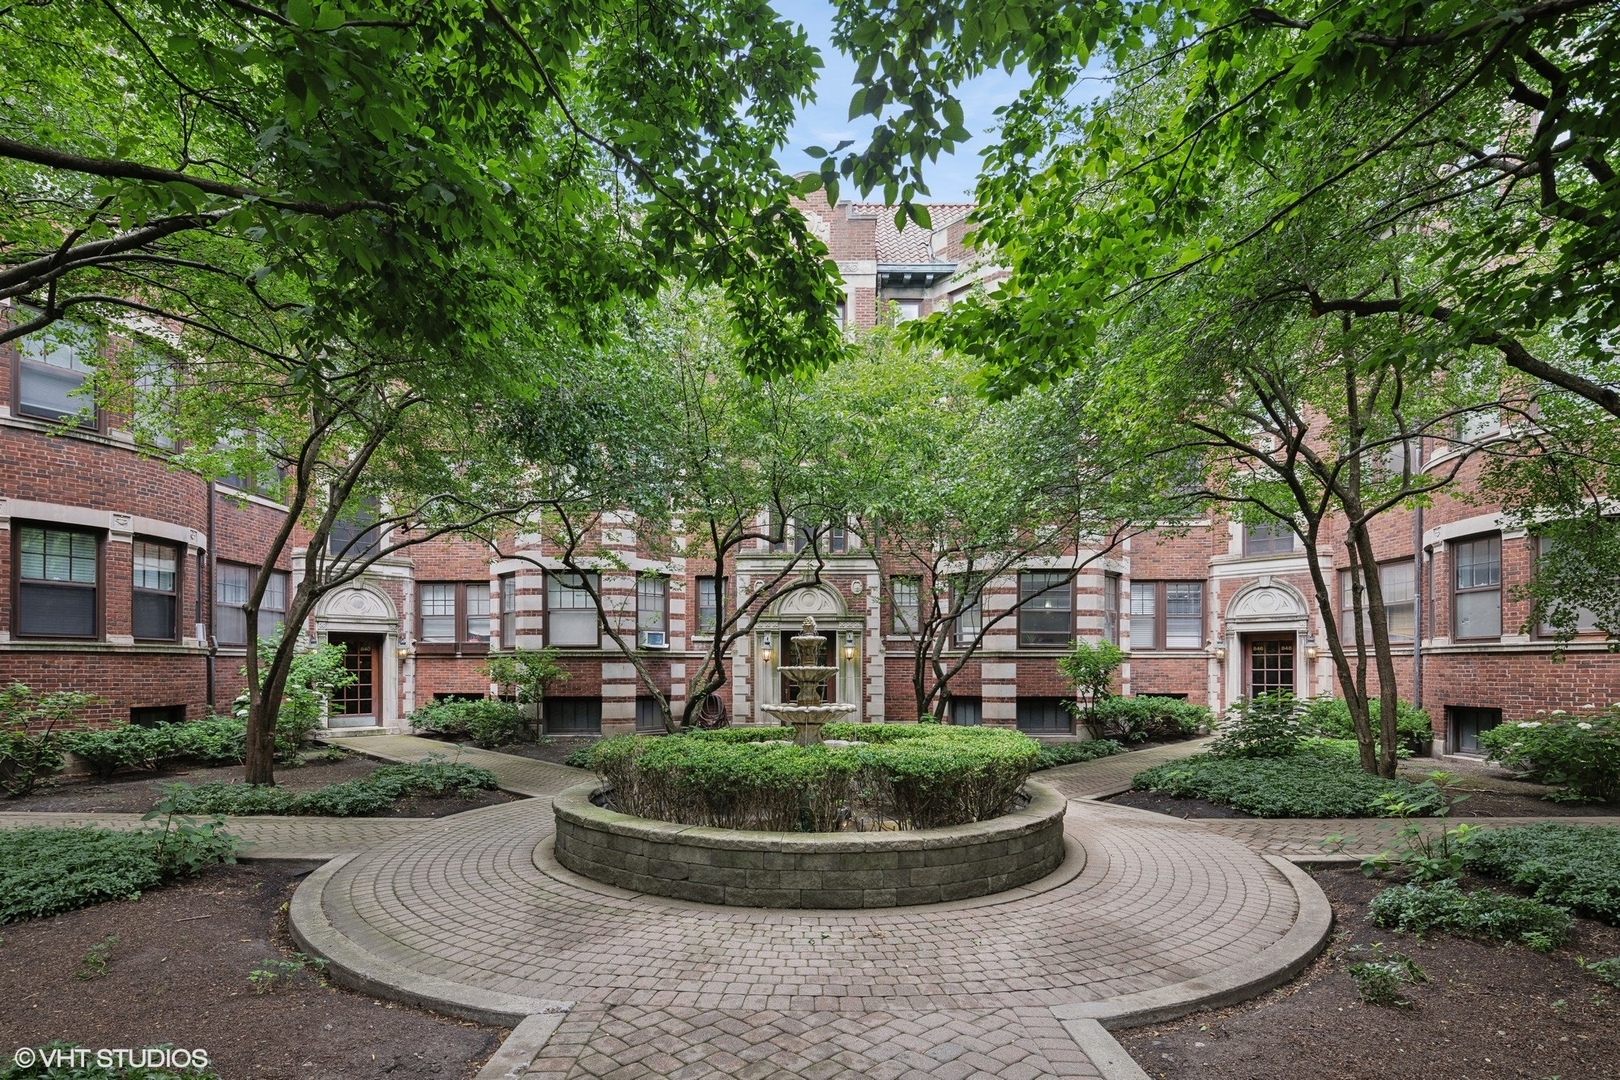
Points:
(155, 597)
(708, 605)
(1268, 538)
(58, 577)
(1167, 615)
(970, 619)
(1478, 590)
(356, 535)
(571, 619)
(652, 612)
(1046, 608)
(452, 615)
(905, 593)
(1110, 607)
(508, 611)
(1585, 617)
(1397, 582)
(233, 584)
(52, 367)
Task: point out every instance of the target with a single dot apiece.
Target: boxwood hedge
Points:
(918, 776)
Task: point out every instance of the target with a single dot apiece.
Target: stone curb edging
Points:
(1240, 982)
(864, 870)
(520, 1048)
(1102, 1048)
(357, 969)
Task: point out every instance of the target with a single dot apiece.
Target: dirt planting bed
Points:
(178, 973)
(1488, 1012)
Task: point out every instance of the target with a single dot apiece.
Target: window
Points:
(970, 620)
(1044, 716)
(153, 715)
(841, 315)
(708, 605)
(1268, 538)
(1585, 618)
(837, 539)
(1110, 604)
(1478, 425)
(453, 614)
(508, 611)
(52, 365)
(233, 584)
(652, 612)
(58, 571)
(1045, 616)
(1468, 724)
(438, 614)
(1478, 595)
(570, 613)
(156, 593)
(1167, 614)
(573, 716)
(907, 310)
(355, 535)
(1396, 581)
(967, 712)
(649, 717)
(904, 596)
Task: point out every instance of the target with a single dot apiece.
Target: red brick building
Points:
(125, 578)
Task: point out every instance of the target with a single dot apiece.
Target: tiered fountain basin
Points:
(746, 868)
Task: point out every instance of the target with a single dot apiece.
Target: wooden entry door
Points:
(360, 704)
(1270, 666)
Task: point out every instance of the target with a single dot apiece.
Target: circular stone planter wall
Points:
(810, 870)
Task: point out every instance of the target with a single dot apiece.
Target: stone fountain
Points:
(808, 712)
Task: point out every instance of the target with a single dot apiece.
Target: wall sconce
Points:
(404, 651)
(849, 644)
(1311, 651)
(765, 648)
(1217, 651)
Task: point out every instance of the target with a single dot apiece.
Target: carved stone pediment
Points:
(357, 604)
(816, 602)
(1266, 603)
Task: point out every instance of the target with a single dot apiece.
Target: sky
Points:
(826, 122)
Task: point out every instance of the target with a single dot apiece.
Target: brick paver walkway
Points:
(520, 775)
(262, 837)
(1112, 775)
(644, 1041)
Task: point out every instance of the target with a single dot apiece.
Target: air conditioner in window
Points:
(653, 639)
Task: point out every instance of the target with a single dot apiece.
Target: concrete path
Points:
(1102, 777)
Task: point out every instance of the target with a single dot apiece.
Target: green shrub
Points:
(1054, 754)
(1581, 753)
(1573, 866)
(218, 740)
(375, 792)
(1269, 726)
(1485, 913)
(46, 871)
(30, 742)
(314, 675)
(1330, 718)
(743, 734)
(1304, 785)
(122, 746)
(580, 758)
(486, 722)
(924, 776)
(1138, 719)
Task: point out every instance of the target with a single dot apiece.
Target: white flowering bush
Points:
(1578, 751)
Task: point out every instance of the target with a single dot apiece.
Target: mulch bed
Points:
(1488, 1012)
(135, 792)
(178, 974)
(1478, 804)
(553, 749)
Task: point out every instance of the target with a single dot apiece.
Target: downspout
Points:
(213, 638)
(1418, 597)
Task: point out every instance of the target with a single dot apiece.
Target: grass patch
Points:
(1483, 913)
(370, 794)
(1573, 866)
(1302, 785)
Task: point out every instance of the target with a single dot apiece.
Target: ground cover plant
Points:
(1054, 754)
(918, 776)
(375, 792)
(1330, 718)
(1304, 784)
(67, 1061)
(1484, 913)
(1574, 866)
(46, 871)
(1580, 753)
(486, 722)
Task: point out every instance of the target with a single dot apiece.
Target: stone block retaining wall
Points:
(809, 870)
